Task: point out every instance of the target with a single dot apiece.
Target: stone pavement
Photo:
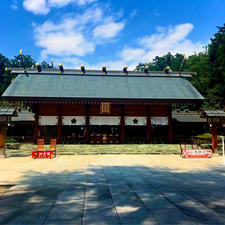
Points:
(113, 190)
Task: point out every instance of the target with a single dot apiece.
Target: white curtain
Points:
(163, 121)
(73, 120)
(48, 120)
(104, 120)
(135, 121)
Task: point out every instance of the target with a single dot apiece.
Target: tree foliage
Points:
(5, 77)
(209, 65)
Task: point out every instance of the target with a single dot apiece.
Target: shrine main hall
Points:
(96, 106)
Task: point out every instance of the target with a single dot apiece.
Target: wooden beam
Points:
(122, 125)
(148, 124)
(59, 130)
(87, 126)
(2, 140)
(170, 125)
(36, 117)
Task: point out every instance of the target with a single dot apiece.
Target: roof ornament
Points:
(21, 58)
(52, 64)
(104, 70)
(82, 68)
(38, 67)
(181, 67)
(61, 69)
(146, 70)
(167, 71)
(125, 70)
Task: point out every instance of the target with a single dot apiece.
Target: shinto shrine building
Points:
(97, 107)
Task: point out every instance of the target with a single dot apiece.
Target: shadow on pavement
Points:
(116, 195)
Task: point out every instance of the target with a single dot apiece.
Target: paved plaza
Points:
(112, 190)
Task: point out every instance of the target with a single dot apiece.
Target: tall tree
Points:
(216, 51)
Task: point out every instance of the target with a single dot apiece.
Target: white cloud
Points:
(59, 3)
(36, 6)
(14, 5)
(83, 2)
(43, 7)
(73, 36)
(167, 39)
(62, 39)
(108, 30)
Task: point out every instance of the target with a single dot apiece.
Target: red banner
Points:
(197, 153)
(42, 154)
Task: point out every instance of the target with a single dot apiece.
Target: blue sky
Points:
(111, 32)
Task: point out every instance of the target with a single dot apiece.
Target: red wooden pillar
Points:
(214, 138)
(59, 131)
(170, 125)
(2, 140)
(148, 125)
(122, 125)
(36, 110)
(87, 126)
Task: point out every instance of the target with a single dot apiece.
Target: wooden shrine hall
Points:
(97, 106)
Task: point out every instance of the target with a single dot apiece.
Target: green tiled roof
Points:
(188, 117)
(45, 86)
(8, 111)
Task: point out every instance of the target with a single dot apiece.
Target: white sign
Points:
(135, 121)
(104, 120)
(73, 120)
(48, 120)
(163, 121)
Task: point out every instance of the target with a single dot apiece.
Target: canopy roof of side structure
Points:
(93, 86)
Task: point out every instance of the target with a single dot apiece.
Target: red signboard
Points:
(42, 154)
(197, 153)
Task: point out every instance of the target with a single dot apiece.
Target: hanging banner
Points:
(135, 121)
(73, 120)
(48, 120)
(197, 153)
(104, 120)
(163, 121)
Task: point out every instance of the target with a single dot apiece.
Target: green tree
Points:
(159, 63)
(216, 52)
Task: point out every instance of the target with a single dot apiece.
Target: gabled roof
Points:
(91, 88)
(188, 117)
(213, 113)
(24, 116)
(8, 111)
